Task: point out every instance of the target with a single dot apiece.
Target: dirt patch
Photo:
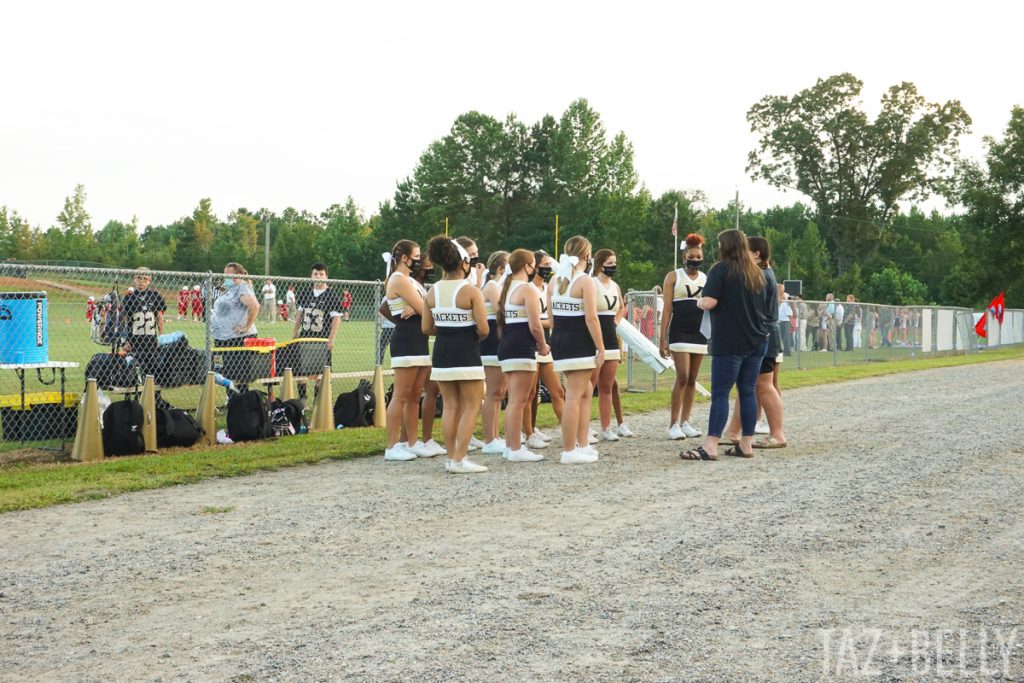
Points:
(641, 567)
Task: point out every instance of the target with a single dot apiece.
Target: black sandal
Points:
(735, 451)
(697, 453)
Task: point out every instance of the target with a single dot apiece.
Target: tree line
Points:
(503, 182)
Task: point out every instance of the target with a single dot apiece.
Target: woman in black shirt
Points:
(739, 300)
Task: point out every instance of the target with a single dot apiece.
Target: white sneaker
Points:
(475, 443)
(523, 455)
(536, 441)
(421, 450)
(592, 437)
(624, 430)
(496, 447)
(577, 457)
(609, 435)
(587, 450)
(675, 432)
(464, 466)
(688, 431)
(542, 435)
(762, 427)
(436, 447)
(399, 452)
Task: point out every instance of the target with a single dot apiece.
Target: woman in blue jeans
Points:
(738, 297)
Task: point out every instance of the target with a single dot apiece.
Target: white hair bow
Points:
(504, 274)
(565, 266)
(388, 258)
(462, 250)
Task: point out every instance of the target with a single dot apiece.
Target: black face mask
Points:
(545, 272)
(473, 261)
(414, 264)
(428, 274)
(610, 270)
(694, 263)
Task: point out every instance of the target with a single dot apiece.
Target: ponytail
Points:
(516, 262)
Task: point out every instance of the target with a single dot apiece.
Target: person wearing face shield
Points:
(234, 313)
(681, 336)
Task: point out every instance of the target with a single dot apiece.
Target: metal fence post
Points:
(629, 355)
(378, 357)
(208, 317)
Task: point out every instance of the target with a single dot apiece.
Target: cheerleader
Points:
(455, 313)
(410, 355)
(609, 312)
(545, 369)
(681, 335)
(477, 273)
(428, 404)
(576, 346)
(522, 339)
(495, 378)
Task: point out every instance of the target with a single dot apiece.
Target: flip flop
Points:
(771, 442)
(735, 451)
(697, 453)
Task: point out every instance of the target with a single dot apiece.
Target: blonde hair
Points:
(495, 263)
(578, 246)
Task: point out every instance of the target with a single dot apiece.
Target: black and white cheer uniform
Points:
(456, 349)
(517, 350)
(409, 346)
(684, 332)
(609, 301)
(571, 345)
(544, 316)
(489, 345)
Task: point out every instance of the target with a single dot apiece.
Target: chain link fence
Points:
(829, 333)
(119, 325)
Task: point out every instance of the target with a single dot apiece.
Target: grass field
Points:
(28, 485)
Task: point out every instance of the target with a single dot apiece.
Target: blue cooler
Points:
(24, 333)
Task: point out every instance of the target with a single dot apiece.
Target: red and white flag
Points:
(675, 223)
(997, 308)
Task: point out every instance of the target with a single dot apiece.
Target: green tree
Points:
(347, 245)
(821, 143)
(993, 195)
(17, 239)
(195, 237)
(119, 244)
(893, 286)
(294, 248)
(73, 239)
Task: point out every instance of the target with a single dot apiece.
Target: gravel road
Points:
(885, 544)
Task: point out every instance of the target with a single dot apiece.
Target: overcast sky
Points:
(153, 106)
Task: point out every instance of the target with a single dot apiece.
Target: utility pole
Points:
(737, 208)
(266, 244)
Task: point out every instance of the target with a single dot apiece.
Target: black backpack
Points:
(248, 416)
(438, 406)
(175, 427)
(179, 364)
(287, 417)
(112, 371)
(122, 428)
(355, 408)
